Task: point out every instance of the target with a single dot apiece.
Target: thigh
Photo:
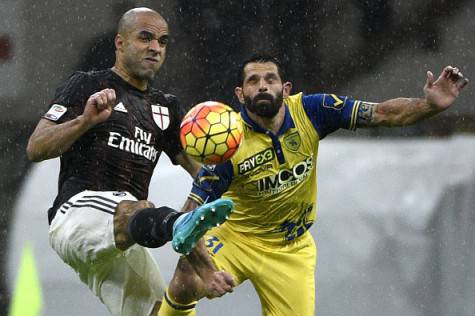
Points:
(82, 230)
(286, 280)
(82, 233)
(231, 253)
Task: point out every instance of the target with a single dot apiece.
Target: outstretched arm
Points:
(440, 94)
(50, 140)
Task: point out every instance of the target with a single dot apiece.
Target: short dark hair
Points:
(261, 58)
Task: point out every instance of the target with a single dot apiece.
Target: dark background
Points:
(371, 50)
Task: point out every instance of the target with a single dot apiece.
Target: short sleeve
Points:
(329, 112)
(211, 182)
(70, 98)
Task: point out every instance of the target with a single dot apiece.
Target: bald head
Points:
(141, 45)
(128, 21)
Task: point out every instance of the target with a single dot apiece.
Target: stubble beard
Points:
(137, 70)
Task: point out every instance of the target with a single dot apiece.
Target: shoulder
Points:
(99, 74)
(90, 75)
(162, 97)
(84, 80)
(170, 98)
(165, 99)
(294, 100)
(78, 83)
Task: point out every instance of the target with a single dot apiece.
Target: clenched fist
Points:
(99, 106)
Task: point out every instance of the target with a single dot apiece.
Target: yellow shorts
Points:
(283, 276)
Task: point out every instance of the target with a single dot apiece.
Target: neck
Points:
(137, 83)
(272, 124)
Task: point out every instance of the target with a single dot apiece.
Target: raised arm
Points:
(50, 140)
(439, 95)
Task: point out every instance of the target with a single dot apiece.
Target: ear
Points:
(119, 41)
(239, 94)
(287, 89)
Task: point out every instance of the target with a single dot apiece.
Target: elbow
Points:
(32, 152)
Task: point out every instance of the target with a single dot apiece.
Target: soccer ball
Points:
(211, 132)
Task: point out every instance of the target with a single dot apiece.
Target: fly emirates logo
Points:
(139, 146)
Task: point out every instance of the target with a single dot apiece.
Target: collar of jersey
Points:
(288, 122)
(130, 87)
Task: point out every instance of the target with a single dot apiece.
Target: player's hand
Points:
(215, 283)
(218, 283)
(99, 106)
(442, 92)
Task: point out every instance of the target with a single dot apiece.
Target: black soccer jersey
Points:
(120, 153)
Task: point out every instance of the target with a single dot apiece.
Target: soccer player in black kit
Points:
(109, 129)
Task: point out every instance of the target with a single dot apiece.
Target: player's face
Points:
(144, 47)
(263, 91)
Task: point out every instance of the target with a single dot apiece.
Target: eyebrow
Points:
(143, 32)
(148, 33)
(266, 75)
(271, 75)
(251, 77)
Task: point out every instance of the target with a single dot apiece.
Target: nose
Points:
(155, 46)
(262, 85)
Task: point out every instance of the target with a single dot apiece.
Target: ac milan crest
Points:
(161, 116)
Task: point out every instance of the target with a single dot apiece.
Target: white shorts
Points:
(82, 233)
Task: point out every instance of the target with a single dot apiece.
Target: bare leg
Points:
(186, 286)
(195, 277)
(185, 289)
(124, 211)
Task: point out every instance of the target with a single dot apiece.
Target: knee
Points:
(123, 211)
(143, 204)
(185, 287)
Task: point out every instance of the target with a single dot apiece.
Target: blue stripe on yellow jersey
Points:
(272, 178)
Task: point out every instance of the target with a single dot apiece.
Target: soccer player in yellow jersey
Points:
(272, 181)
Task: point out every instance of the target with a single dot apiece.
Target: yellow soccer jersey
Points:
(272, 178)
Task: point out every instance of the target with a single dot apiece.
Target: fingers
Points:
(228, 279)
(452, 73)
(430, 79)
(225, 282)
(103, 99)
(455, 76)
(222, 283)
(462, 83)
(449, 72)
(446, 72)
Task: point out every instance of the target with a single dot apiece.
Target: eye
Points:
(163, 40)
(271, 78)
(252, 80)
(145, 37)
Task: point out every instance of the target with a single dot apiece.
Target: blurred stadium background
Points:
(387, 260)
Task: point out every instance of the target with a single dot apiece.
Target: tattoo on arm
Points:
(365, 114)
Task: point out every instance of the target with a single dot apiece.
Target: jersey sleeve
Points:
(211, 182)
(70, 98)
(329, 112)
(172, 133)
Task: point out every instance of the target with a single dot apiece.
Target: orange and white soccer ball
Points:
(211, 132)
